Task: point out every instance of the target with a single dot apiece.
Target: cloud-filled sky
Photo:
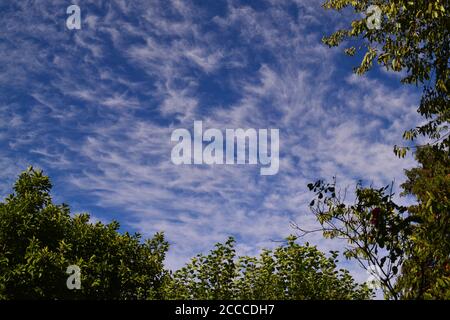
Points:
(95, 109)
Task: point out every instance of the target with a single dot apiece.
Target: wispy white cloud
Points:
(102, 106)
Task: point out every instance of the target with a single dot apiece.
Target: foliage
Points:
(39, 240)
(374, 226)
(414, 38)
(287, 272)
(408, 244)
(426, 271)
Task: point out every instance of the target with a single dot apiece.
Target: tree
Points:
(289, 272)
(413, 37)
(409, 245)
(39, 240)
(375, 227)
(426, 271)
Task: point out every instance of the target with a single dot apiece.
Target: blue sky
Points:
(95, 108)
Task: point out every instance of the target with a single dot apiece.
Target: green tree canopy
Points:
(39, 240)
(410, 245)
(413, 37)
(289, 272)
(426, 271)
